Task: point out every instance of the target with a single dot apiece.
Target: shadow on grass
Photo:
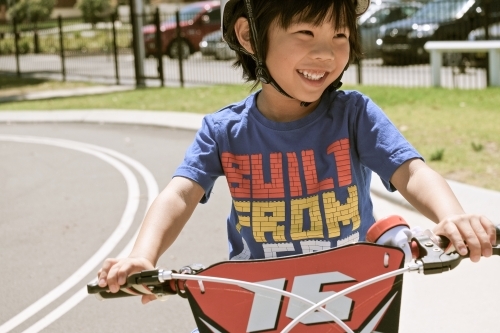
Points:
(9, 81)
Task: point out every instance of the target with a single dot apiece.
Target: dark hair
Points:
(286, 12)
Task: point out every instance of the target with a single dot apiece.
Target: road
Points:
(61, 202)
(73, 194)
(204, 70)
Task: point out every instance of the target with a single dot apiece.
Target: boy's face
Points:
(305, 59)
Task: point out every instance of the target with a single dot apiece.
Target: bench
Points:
(437, 48)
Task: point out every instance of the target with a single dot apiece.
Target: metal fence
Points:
(186, 47)
(68, 48)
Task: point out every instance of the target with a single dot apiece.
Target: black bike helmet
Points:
(261, 72)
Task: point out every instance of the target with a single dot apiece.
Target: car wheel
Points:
(173, 49)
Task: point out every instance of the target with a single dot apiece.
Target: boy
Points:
(298, 154)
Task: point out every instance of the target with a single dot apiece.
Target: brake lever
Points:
(433, 258)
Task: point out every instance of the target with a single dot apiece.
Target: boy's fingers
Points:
(107, 264)
(113, 276)
(486, 234)
(474, 234)
(123, 272)
(102, 280)
(118, 273)
(102, 274)
(147, 298)
(477, 239)
(452, 232)
(490, 229)
(457, 241)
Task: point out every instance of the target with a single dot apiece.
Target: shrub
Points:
(437, 155)
(477, 147)
(7, 46)
(24, 46)
(93, 10)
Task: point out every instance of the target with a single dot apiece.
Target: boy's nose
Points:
(323, 51)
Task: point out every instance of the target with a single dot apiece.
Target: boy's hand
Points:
(469, 231)
(114, 273)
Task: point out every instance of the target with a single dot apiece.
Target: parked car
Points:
(196, 20)
(375, 5)
(479, 33)
(387, 12)
(214, 45)
(402, 42)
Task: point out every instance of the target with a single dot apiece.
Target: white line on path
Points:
(81, 294)
(111, 242)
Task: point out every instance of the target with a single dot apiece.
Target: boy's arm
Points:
(430, 194)
(163, 222)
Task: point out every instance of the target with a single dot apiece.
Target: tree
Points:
(92, 10)
(31, 10)
(4, 4)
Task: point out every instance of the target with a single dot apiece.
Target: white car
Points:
(480, 59)
(214, 45)
(493, 33)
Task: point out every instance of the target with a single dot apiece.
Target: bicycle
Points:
(301, 292)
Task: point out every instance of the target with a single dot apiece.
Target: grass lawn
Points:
(457, 131)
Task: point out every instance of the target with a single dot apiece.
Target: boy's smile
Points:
(312, 75)
(304, 60)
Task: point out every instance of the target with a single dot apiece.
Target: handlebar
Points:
(159, 282)
(432, 254)
(435, 253)
(148, 282)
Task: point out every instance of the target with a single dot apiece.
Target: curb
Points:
(172, 119)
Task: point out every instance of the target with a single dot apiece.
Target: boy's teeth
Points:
(312, 76)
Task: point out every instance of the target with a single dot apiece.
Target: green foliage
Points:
(477, 147)
(32, 10)
(95, 41)
(7, 46)
(437, 155)
(24, 46)
(93, 10)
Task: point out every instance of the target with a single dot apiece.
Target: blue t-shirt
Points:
(297, 186)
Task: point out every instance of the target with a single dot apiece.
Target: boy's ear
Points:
(242, 31)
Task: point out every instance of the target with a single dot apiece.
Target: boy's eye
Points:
(306, 32)
(340, 35)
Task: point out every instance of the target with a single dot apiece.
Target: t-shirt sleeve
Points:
(381, 146)
(202, 162)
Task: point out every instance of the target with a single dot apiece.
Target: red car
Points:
(196, 20)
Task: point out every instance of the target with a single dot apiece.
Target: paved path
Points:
(52, 234)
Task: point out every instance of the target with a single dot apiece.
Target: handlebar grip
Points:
(125, 291)
(445, 244)
(142, 283)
